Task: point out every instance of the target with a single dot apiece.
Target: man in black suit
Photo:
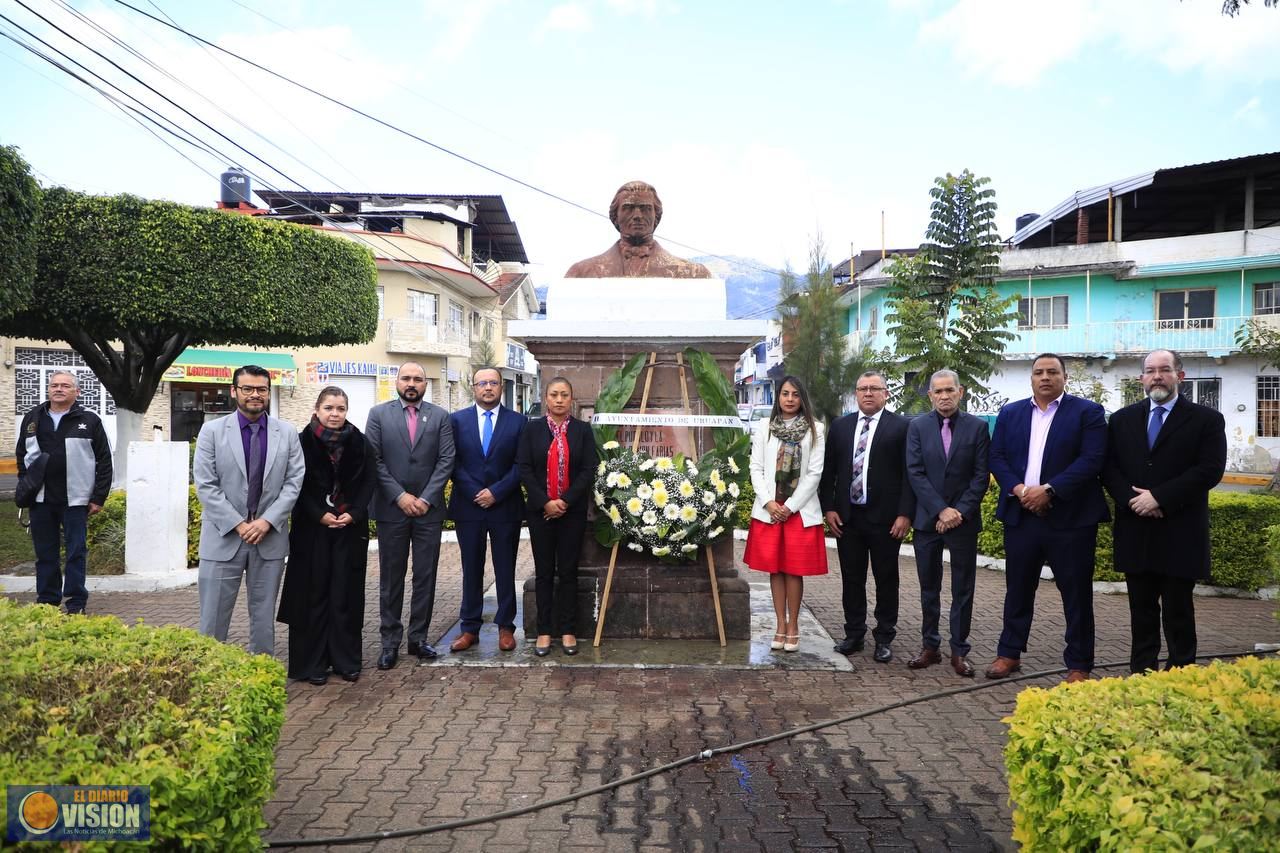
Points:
(868, 504)
(947, 468)
(1046, 455)
(486, 504)
(1164, 455)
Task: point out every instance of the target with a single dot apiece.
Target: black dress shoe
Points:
(848, 646)
(423, 651)
(353, 675)
(318, 680)
(542, 651)
(883, 654)
(570, 650)
(388, 659)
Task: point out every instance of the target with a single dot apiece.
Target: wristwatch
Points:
(1048, 490)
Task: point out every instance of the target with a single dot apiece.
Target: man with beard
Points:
(636, 211)
(248, 470)
(412, 443)
(1164, 455)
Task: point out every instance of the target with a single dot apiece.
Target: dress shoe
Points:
(388, 659)
(568, 647)
(465, 641)
(506, 640)
(318, 680)
(883, 654)
(927, 657)
(792, 644)
(353, 675)
(848, 646)
(779, 639)
(423, 651)
(1077, 675)
(961, 665)
(1003, 667)
(541, 650)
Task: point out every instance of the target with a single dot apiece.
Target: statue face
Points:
(637, 216)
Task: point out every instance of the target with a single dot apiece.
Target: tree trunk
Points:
(128, 429)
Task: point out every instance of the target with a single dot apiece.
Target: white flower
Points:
(635, 546)
(688, 514)
(691, 468)
(660, 497)
(733, 465)
(664, 463)
(644, 491)
(678, 535)
(612, 479)
(734, 490)
(716, 532)
(715, 475)
(721, 488)
(599, 499)
(708, 498)
(649, 517)
(671, 512)
(688, 548)
(729, 511)
(646, 465)
(610, 445)
(600, 469)
(614, 515)
(686, 489)
(635, 506)
(624, 482)
(661, 551)
(649, 530)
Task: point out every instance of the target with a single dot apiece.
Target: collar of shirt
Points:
(404, 404)
(1168, 405)
(1053, 404)
(480, 416)
(244, 422)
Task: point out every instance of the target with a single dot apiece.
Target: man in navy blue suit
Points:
(1046, 454)
(486, 504)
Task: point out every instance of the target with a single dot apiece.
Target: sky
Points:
(763, 125)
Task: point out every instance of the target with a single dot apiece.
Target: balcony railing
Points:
(405, 334)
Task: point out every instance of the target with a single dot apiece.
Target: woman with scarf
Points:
(786, 536)
(323, 597)
(557, 461)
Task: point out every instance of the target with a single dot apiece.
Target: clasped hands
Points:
(949, 519)
(777, 512)
(553, 509)
(412, 506)
(898, 530)
(1145, 504)
(336, 521)
(1035, 499)
(253, 532)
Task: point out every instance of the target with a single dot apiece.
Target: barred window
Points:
(1268, 407)
(32, 369)
(1266, 298)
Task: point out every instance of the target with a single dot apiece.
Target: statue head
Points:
(636, 211)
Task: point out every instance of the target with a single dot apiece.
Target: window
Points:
(875, 316)
(456, 318)
(423, 306)
(1185, 309)
(1268, 406)
(1206, 392)
(1131, 391)
(488, 330)
(475, 324)
(1042, 312)
(1266, 298)
(31, 380)
(382, 302)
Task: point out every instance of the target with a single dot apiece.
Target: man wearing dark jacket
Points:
(77, 479)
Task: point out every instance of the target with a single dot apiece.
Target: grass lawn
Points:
(15, 544)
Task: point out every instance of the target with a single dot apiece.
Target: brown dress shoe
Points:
(961, 665)
(506, 640)
(1077, 675)
(1003, 667)
(927, 657)
(465, 641)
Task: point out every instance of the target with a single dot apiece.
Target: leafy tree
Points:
(943, 308)
(1082, 383)
(130, 283)
(813, 325)
(19, 217)
(1259, 341)
(1231, 8)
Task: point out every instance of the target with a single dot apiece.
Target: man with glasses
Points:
(486, 504)
(1164, 454)
(77, 477)
(868, 504)
(248, 470)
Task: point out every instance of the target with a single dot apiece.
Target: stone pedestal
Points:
(593, 327)
(156, 512)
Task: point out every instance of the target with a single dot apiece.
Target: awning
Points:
(217, 366)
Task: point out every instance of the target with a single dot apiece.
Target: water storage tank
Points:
(234, 184)
(1024, 220)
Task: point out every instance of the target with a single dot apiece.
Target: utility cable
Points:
(706, 754)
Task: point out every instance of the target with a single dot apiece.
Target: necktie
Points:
(411, 421)
(255, 468)
(487, 435)
(859, 458)
(946, 437)
(1153, 425)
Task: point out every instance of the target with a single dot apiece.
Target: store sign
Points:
(320, 371)
(221, 374)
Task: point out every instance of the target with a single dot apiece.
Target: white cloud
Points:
(565, 18)
(646, 8)
(459, 24)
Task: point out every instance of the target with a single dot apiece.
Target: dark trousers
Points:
(1153, 599)
(504, 541)
(1070, 553)
(964, 568)
(556, 546)
(330, 634)
(51, 526)
(394, 538)
(863, 538)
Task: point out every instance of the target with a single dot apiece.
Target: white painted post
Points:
(156, 512)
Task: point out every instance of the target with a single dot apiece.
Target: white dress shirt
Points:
(871, 437)
(1040, 423)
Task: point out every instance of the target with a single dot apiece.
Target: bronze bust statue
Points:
(636, 211)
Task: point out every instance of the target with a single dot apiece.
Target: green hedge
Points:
(19, 230)
(90, 700)
(106, 534)
(1180, 760)
(1239, 553)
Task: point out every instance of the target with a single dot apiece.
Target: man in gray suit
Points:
(948, 471)
(248, 471)
(413, 444)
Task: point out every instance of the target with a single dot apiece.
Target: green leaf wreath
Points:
(668, 506)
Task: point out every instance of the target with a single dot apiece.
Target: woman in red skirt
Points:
(786, 535)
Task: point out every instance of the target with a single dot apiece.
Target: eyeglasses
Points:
(1152, 371)
(487, 383)
(869, 389)
(254, 390)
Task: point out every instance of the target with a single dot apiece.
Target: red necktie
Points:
(411, 421)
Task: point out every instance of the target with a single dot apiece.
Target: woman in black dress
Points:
(557, 461)
(323, 597)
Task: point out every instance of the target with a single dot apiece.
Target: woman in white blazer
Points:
(786, 535)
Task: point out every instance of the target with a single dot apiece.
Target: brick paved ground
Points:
(424, 744)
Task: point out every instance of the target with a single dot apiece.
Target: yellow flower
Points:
(686, 489)
(635, 506)
(614, 515)
(663, 463)
(610, 445)
(721, 488)
(660, 497)
(688, 514)
(733, 465)
(624, 482)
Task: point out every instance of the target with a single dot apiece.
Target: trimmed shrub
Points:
(1188, 759)
(746, 497)
(1239, 550)
(19, 230)
(106, 534)
(91, 701)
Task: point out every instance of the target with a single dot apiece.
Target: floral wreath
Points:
(668, 506)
